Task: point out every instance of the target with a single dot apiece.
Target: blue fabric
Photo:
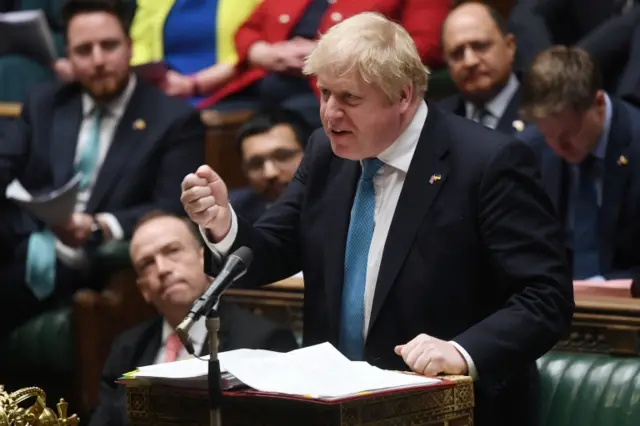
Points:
(308, 24)
(586, 253)
(355, 263)
(190, 37)
(40, 270)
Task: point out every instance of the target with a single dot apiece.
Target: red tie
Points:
(173, 348)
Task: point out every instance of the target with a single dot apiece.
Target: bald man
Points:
(169, 260)
(479, 53)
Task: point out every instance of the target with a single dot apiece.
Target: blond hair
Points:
(380, 51)
(558, 79)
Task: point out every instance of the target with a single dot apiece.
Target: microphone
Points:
(235, 266)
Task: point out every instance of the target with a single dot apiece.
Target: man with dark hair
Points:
(169, 261)
(479, 53)
(130, 144)
(588, 143)
(271, 145)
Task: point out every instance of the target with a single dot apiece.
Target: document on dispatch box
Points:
(54, 208)
(319, 371)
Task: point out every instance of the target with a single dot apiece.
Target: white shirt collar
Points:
(497, 106)
(117, 106)
(399, 154)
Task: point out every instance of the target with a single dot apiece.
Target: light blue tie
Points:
(355, 263)
(41, 250)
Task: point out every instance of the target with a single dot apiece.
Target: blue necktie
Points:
(355, 263)
(40, 271)
(586, 253)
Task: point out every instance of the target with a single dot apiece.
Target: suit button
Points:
(284, 18)
(336, 16)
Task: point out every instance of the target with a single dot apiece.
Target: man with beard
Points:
(130, 143)
(271, 145)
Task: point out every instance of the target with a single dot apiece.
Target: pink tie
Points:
(173, 348)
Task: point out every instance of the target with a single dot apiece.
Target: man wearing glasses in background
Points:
(271, 145)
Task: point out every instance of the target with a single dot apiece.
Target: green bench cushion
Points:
(589, 390)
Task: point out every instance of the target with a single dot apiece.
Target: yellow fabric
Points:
(148, 25)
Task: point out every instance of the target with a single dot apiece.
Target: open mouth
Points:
(339, 132)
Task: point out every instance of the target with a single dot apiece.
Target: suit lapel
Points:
(339, 200)
(151, 345)
(554, 170)
(66, 121)
(616, 175)
(417, 196)
(125, 138)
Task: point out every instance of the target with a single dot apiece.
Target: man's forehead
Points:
(344, 82)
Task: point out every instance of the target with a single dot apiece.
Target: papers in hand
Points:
(53, 208)
(319, 371)
(27, 32)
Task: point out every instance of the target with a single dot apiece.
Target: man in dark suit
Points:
(169, 261)
(130, 143)
(479, 54)
(271, 144)
(588, 143)
(426, 240)
(598, 26)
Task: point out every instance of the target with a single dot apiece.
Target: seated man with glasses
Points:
(271, 145)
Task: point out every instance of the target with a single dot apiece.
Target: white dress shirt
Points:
(198, 335)
(77, 258)
(496, 107)
(388, 184)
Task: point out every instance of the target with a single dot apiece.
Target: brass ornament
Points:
(12, 414)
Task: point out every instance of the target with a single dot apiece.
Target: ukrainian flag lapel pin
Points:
(434, 178)
(139, 124)
(622, 161)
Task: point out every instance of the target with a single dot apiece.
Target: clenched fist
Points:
(430, 356)
(205, 199)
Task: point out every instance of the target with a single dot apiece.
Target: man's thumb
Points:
(206, 172)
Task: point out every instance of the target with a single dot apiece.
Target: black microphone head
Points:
(245, 254)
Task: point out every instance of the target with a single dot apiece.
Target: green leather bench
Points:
(42, 352)
(589, 390)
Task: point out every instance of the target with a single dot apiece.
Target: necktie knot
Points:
(370, 167)
(173, 347)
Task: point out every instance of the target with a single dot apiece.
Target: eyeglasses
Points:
(280, 158)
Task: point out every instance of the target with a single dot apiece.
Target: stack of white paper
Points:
(319, 371)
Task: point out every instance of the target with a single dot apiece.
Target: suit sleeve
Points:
(14, 146)
(275, 239)
(249, 33)
(529, 22)
(281, 339)
(523, 244)
(111, 404)
(181, 152)
(423, 20)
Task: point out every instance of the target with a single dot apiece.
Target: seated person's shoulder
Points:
(163, 105)
(448, 104)
(133, 335)
(242, 196)
(252, 331)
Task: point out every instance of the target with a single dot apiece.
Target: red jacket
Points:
(274, 20)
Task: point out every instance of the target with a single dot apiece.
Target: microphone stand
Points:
(212, 323)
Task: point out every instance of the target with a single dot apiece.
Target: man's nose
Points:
(97, 55)
(162, 265)
(470, 58)
(270, 170)
(332, 110)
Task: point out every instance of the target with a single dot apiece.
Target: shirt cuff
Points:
(473, 373)
(112, 223)
(222, 248)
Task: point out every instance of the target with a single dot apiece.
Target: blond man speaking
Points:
(426, 240)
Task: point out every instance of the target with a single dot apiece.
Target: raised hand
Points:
(205, 199)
